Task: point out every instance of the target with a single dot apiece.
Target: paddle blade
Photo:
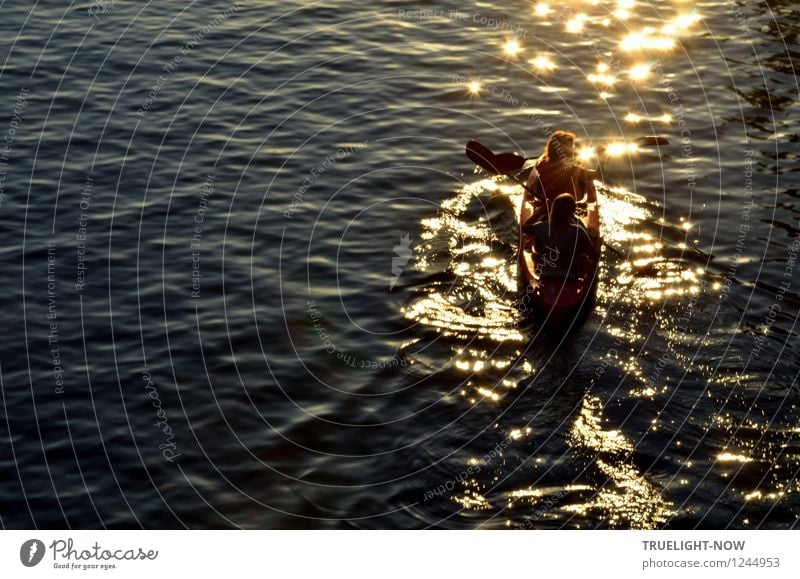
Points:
(652, 141)
(509, 162)
(482, 157)
(504, 164)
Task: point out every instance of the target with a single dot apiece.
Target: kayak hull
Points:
(557, 298)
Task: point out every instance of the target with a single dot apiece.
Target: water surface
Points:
(252, 281)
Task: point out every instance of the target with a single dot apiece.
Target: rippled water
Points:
(252, 280)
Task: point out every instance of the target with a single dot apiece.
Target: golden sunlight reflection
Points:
(619, 148)
(525, 493)
(602, 75)
(686, 20)
(469, 306)
(616, 149)
(622, 14)
(635, 118)
(486, 393)
(542, 63)
(466, 303)
(542, 9)
(512, 47)
(576, 24)
(479, 298)
(599, 78)
(628, 498)
(586, 153)
(518, 433)
(733, 457)
(448, 318)
(471, 498)
(647, 273)
(633, 38)
(639, 72)
(646, 39)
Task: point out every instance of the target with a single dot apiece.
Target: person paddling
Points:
(564, 246)
(557, 171)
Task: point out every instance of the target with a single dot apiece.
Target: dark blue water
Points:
(252, 281)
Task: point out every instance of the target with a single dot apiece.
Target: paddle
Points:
(506, 164)
(510, 163)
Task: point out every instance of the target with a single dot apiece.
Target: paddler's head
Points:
(560, 147)
(562, 210)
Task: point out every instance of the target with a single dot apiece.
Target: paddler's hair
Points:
(562, 210)
(555, 145)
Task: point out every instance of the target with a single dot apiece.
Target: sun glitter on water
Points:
(543, 63)
(512, 47)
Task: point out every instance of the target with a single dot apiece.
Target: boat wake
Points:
(541, 400)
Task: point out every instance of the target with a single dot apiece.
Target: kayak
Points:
(550, 297)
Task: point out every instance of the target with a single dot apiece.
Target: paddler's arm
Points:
(591, 192)
(587, 186)
(533, 187)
